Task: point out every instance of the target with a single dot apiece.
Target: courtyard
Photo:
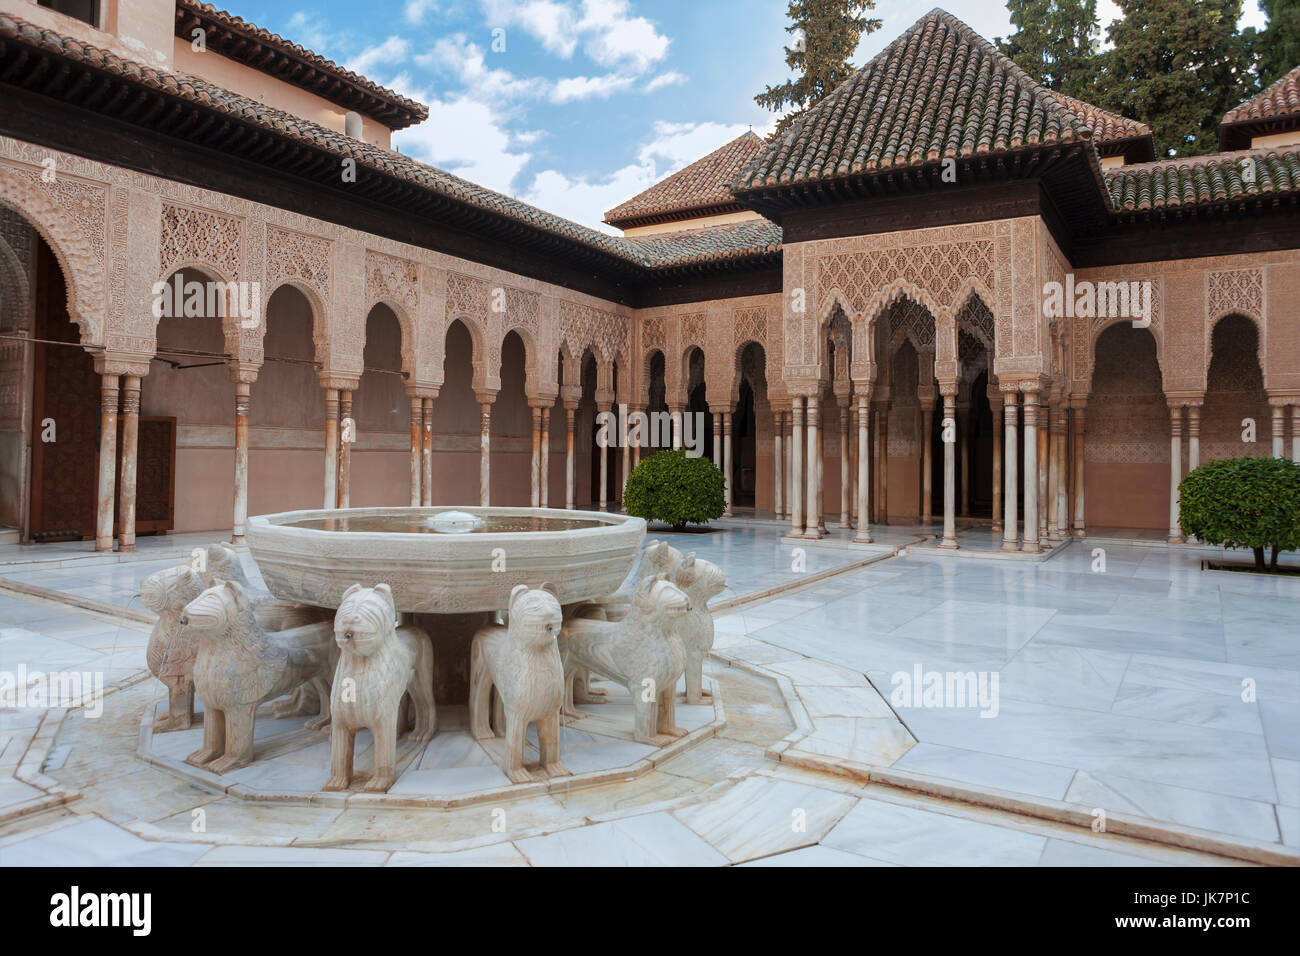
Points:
(1119, 694)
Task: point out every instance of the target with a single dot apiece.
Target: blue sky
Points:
(577, 105)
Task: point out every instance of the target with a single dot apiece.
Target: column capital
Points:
(244, 373)
(420, 391)
(122, 363)
(1183, 399)
(1282, 398)
(339, 381)
(486, 396)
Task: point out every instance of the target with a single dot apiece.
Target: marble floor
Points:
(1127, 679)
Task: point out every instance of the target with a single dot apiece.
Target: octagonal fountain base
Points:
(292, 763)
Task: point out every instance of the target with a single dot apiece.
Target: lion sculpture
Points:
(379, 665)
(522, 661)
(240, 665)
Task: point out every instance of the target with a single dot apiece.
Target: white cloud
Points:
(552, 24)
(392, 51)
(573, 88)
(468, 138)
(466, 61)
(416, 10)
(610, 34)
(671, 78)
(615, 38)
(585, 199)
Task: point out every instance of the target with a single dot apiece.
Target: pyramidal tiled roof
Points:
(1280, 99)
(704, 184)
(940, 90)
(1107, 127)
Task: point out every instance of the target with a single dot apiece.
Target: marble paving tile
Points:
(837, 701)
(911, 836)
(500, 854)
(1288, 822)
(988, 770)
(1144, 638)
(995, 626)
(1182, 755)
(816, 856)
(1064, 675)
(96, 842)
(1193, 808)
(1188, 707)
(447, 781)
(652, 839)
(1286, 774)
(290, 856)
(1066, 853)
(1213, 677)
(1281, 728)
(808, 671)
(876, 741)
(454, 748)
(760, 816)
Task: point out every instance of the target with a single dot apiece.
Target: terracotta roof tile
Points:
(664, 252)
(1107, 127)
(192, 11)
(939, 90)
(1203, 180)
(704, 184)
(1280, 99)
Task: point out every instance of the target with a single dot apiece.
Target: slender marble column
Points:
(603, 451)
(108, 392)
(796, 469)
(1029, 541)
(853, 464)
(717, 441)
(791, 451)
(1010, 531)
(677, 412)
(726, 462)
(1044, 498)
(1279, 439)
(846, 510)
(536, 471)
(626, 458)
(570, 472)
(884, 465)
(949, 475)
(1295, 433)
(242, 398)
(130, 446)
(963, 437)
(1079, 528)
(426, 454)
(1175, 470)
(546, 457)
(1061, 436)
(485, 453)
(331, 448)
(813, 523)
(995, 405)
(1193, 436)
(927, 436)
(1053, 475)
(778, 505)
(417, 455)
(863, 535)
(347, 434)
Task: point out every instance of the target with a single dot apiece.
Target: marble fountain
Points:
(430, 656)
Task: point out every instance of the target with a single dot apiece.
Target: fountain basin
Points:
(312, 557)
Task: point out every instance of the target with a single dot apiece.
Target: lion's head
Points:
(366, 619)
(658, 595)
(535, 615)
(170, 589)
(223, 565)
(220, 609)
(700, 579)
(660, 558)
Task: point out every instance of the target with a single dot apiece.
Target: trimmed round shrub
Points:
(1243, 503)
(675, 488)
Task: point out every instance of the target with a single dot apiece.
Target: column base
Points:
(863, 539)
(1011, 546)
(1176, 539)
(1032, 548)
(997, 526)
(236, 539)
(1080, 533)
(948, 544)
(126, 547)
